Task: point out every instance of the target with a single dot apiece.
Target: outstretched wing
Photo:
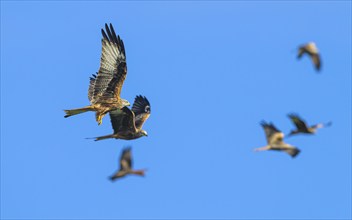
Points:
(113, 69)
(141, 109)
(122, 120)
(299, 123)
(273, 135)
(126, 159)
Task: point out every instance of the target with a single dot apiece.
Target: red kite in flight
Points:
(275, 141)
(105, 87)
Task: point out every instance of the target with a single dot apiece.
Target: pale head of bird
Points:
(143, 133)
(125, 102)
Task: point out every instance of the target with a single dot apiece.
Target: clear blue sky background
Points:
(212, 71)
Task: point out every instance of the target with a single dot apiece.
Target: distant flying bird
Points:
(302, 127)
(126, 166)
(127, 124)
(312, 50)
(275, 141)
(105, 87)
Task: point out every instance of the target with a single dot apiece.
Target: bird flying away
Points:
(126, 166)
(312, 50)
(302, 127)
(127, 124)
(105, 86)
(275, 141)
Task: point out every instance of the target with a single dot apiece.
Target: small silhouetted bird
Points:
(126, 166)
(312, 50)
(275, 141)
(302, 127)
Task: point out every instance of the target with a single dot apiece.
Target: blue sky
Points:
(212, 71)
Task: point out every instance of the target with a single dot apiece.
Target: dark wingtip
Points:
(296, 153)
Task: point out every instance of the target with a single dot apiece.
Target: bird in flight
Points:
(275, 141)
(302, 127)
(312, 50)
(127, 123)
(126, 166)
(105, 86)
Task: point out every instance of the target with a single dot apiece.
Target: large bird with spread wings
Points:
(302, 127)
(126, 166)
(127, 123)
(105, 87)
(275, 141)
(312, 51)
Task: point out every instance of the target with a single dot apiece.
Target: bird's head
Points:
(143, 133)
(125, 102)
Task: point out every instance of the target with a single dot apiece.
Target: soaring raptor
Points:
(275, 141)
(302, 127)
(312, 50)
(126, 166)
(105, 87)
(127, 124)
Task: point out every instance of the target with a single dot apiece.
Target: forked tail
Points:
(77, 111)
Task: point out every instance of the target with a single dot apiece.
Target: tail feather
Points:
(262, 148)
(104, 137)
(138, 172)
(77, 111)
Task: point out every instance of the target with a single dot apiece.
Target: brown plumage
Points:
(275, 141)
(312, 50)
(105, 87)
(302, 127)
(126, 166)
(127, 124)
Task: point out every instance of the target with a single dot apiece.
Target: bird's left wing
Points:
(141, 109)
